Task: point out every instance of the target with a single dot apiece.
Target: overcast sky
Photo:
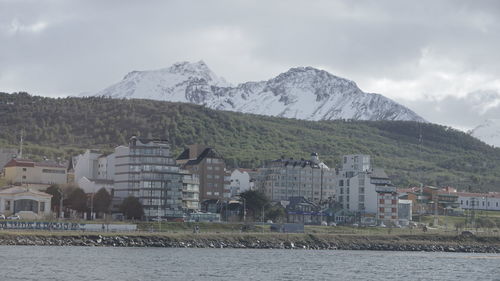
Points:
(439, 58)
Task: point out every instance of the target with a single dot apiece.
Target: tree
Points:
(132, 208)
(276, 213)
(77, 199)
(102, 201)
(55, 191)
(255, 201)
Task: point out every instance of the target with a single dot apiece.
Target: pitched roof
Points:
(22, 189)
(207, 153)
(20, 163)
(184, 154)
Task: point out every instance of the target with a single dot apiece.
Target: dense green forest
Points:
(60, 127)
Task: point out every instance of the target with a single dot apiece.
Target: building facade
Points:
(479, 201)
(286, 178)
(25, 202)
(35, 174)
(190, 192)
(364, 190)
(145, 169)
(209, 166)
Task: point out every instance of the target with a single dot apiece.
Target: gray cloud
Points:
(417, 52)
(460, 112)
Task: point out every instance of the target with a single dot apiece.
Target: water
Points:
(99, 263)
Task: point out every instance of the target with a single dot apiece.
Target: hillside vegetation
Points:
(64, 126)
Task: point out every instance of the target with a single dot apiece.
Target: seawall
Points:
(430, 243)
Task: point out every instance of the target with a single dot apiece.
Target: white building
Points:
(25, 202)
(94, 165)
(240, 181)
(359, 185)
(479, 201)
(404, 211)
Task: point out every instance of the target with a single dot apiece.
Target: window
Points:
(381, 201)
(24, 177)
(381, 209)
(24, 169)
(42, 207)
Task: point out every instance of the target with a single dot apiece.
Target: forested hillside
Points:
(64, 126)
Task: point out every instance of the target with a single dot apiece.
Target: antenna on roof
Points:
(20, 156)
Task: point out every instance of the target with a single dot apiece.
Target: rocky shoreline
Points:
(437, 243)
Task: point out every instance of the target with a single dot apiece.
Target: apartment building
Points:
(365, 190)
(190, 191)
(145, 169)
(209, 166)
(283, 179)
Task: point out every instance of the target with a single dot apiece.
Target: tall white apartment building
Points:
(360, 187)
(145, 169)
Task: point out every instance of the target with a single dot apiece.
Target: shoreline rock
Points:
(267, 241)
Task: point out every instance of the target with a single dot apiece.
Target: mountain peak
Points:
(301, 92)
(313, 75)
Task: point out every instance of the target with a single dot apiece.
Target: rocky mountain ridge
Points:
(302, 93)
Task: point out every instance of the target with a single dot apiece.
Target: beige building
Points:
(24, 202)
(27, 172)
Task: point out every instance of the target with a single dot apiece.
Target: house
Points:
(302, 210)
(27, 203)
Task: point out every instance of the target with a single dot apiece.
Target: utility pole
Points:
(262, 218)
(92, 206)
(61, 214)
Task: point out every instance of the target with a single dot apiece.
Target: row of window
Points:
(475, 203)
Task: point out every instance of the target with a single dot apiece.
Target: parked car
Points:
(14, 217)
(2, 217)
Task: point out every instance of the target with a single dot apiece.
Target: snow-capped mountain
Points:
(489, 132)
(302, 93)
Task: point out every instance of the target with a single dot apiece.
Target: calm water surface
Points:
(84, 263)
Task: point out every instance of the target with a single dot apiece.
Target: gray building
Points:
(145, 169)
(285, 178)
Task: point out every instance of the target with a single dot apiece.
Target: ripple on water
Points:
(100, 263)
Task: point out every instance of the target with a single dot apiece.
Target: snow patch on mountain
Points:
(301, 92)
